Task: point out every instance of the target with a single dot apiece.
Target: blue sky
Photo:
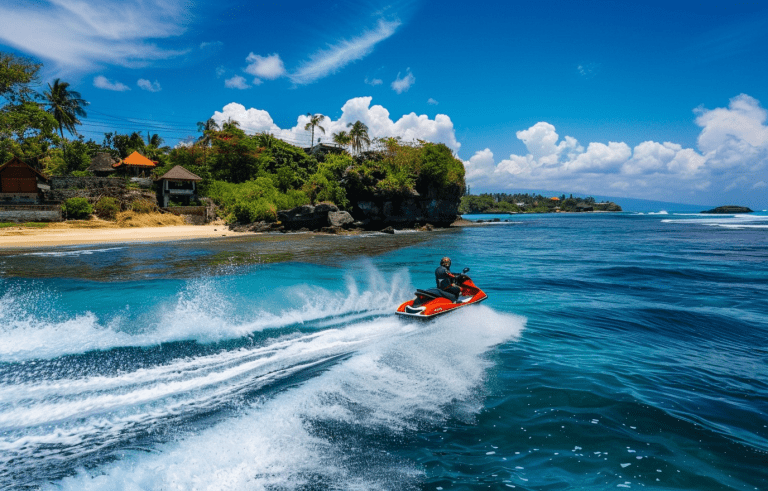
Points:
(654, 100)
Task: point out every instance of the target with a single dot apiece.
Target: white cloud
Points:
(149, 86)
(339, 55)
(236, 82)
(731, 159)
(102, 82)
(268, 67)
(374, 81)
(730, 136)
(410, 127)
(211, 44)
(401, 85)
(81, 36)
(432, 102)
(220, 71)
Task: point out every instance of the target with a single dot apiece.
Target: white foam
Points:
(399, 376)
(200, 312)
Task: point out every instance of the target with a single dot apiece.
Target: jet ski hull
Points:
(433, 302)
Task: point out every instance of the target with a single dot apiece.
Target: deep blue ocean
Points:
(614, 351)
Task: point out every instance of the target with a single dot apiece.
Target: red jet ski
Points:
(433, 302)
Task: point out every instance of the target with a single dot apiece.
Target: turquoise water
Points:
(614, 351)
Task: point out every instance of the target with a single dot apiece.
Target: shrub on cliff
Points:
(107, 208)
(428, 169)
(77, 208)
(254, 200)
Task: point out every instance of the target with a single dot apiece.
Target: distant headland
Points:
(531, 203)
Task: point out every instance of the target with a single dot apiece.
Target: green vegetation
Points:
(77, 208)
(249, 177)
(107, 208)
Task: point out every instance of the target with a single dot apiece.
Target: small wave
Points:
(662, 212)
(72, 253)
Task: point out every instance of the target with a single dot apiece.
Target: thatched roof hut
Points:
(102, 164)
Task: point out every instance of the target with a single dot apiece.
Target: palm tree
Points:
(342, 138)
(65, 105)
(358, 135)
(314, 120)
(206, 127)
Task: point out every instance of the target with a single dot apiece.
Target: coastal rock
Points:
(340, 219)
(729, 209)
(387, 230)
(405, 211)
(307, 216)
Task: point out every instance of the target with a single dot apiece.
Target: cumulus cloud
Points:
(149, 86)
(102, 82)
(265, 67)
(401, 85)
(81, 36)
(330, 60)
(409, 127)
(236, 82)
(731, 159)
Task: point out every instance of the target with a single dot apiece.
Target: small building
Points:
(322, 149)
(102, 165)
(178, 184)
(135, 164)
(555, 198)
(20, 183)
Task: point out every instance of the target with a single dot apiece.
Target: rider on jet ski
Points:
(445, 279)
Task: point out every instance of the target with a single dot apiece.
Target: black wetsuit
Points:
(445, 279)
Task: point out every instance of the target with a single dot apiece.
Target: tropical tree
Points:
(342, 138)
(206, 127)
(358, 135)
(65, 105)
(17, 76)
(314, 121)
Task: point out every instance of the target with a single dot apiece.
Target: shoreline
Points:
(33, 238)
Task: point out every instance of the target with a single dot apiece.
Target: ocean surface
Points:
(614, 351)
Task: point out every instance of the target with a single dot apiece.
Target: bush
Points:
(107, 208)
(143, 206)
(77, 208)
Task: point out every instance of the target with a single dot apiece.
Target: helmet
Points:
(446, 261)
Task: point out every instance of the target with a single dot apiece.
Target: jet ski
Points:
(433, 302)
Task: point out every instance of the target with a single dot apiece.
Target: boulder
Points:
(340, 219)
(306, 216)
(388, 230)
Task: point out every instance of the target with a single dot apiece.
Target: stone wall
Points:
(30, 213)
(69, 182)
(65, 187)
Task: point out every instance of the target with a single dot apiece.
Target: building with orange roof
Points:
(135, 163)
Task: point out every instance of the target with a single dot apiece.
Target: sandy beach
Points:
(17, 237)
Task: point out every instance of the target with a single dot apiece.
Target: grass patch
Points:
(27, 224)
